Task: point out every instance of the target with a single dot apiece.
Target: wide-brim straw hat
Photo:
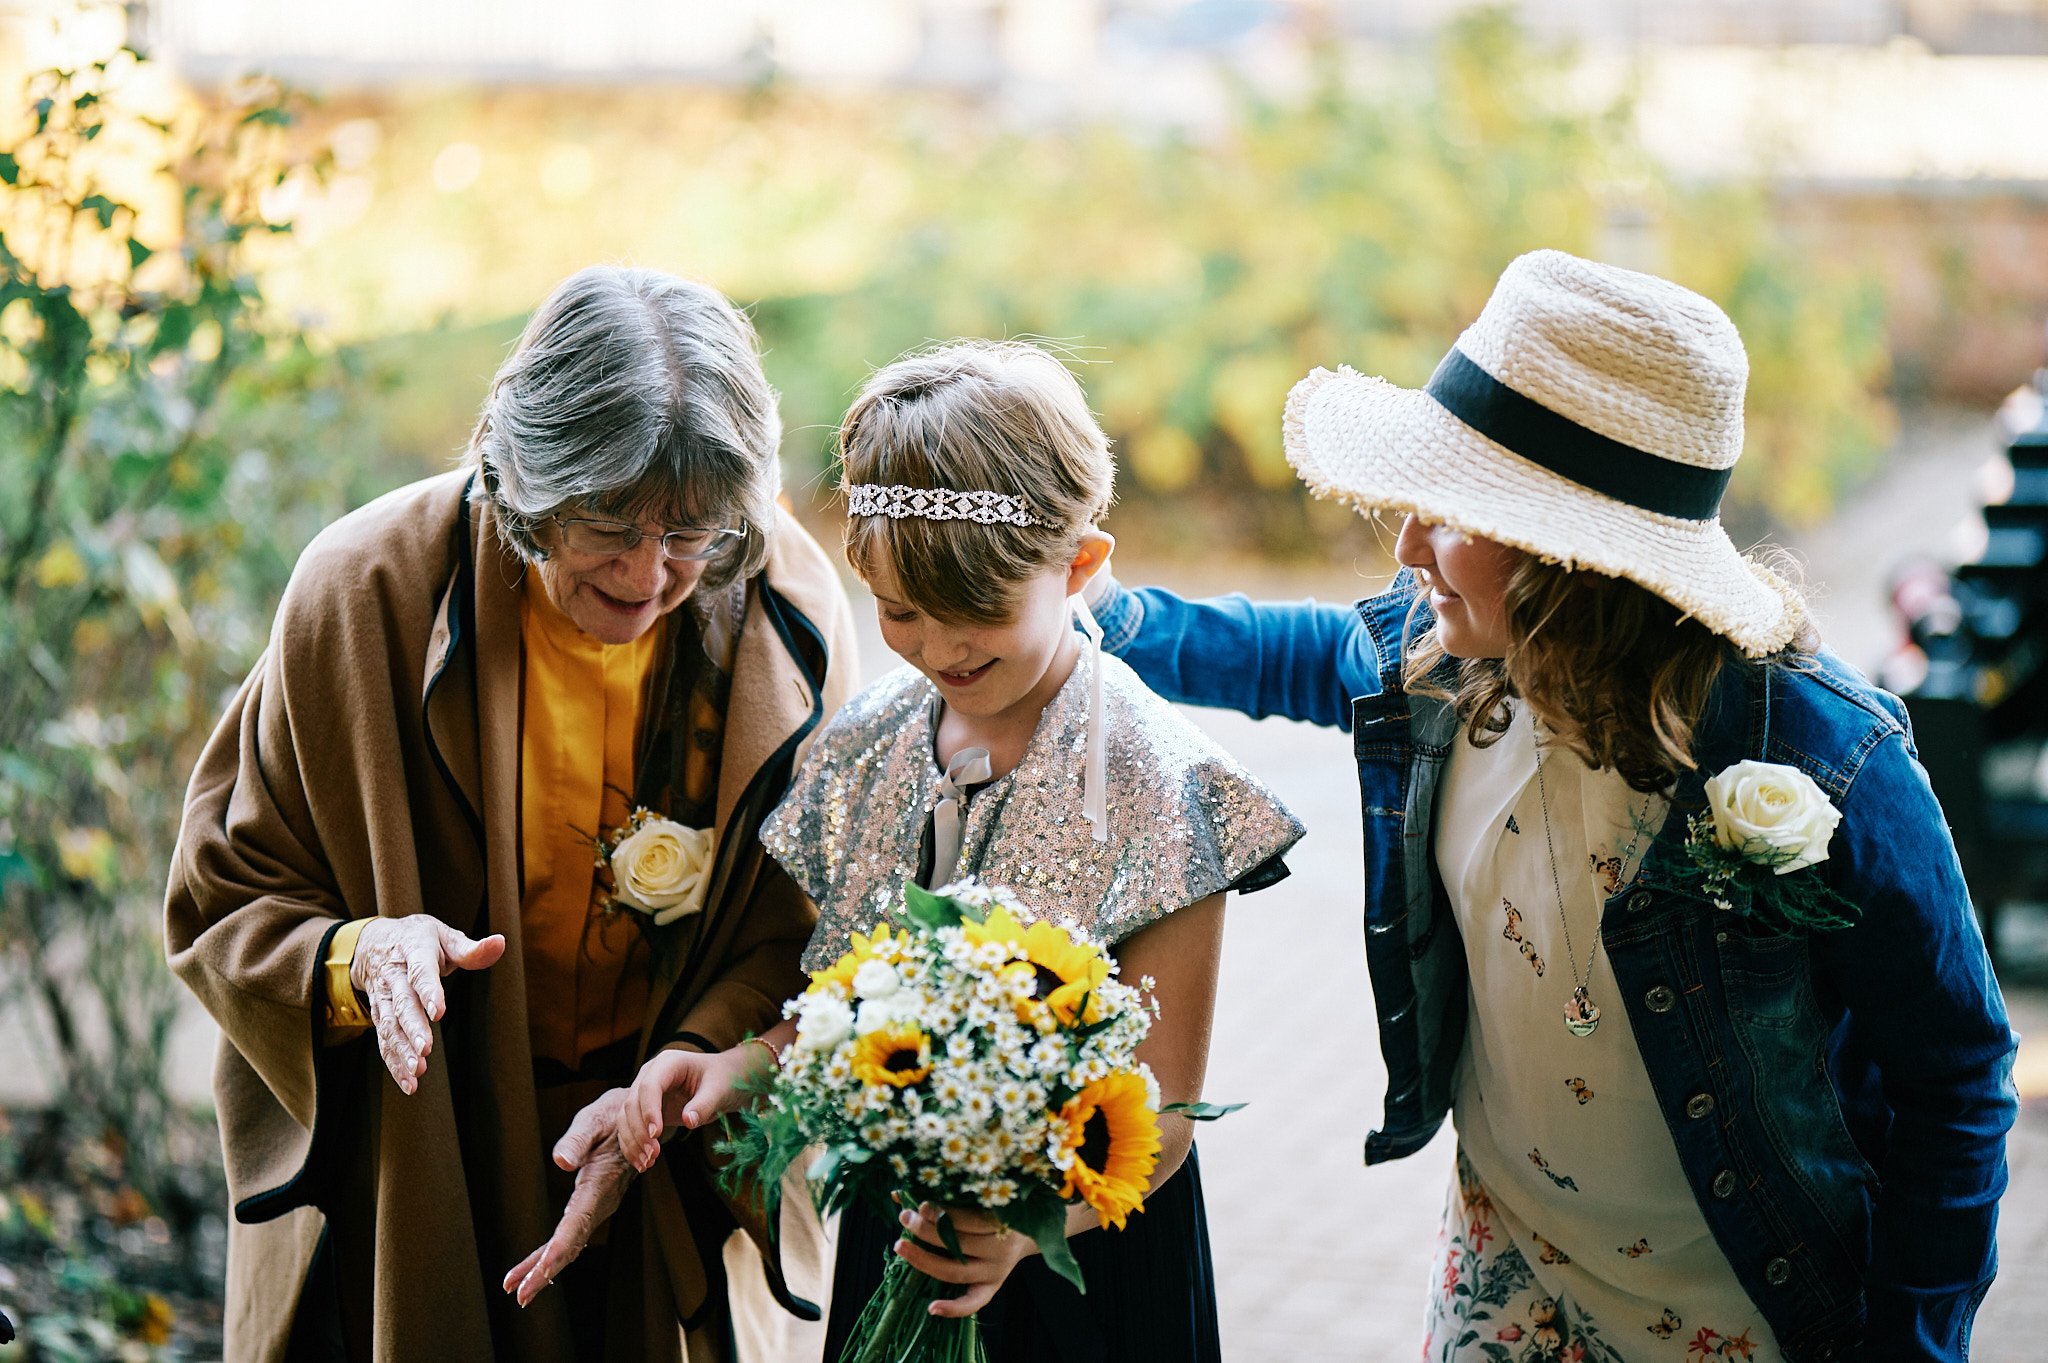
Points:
(1590, 416)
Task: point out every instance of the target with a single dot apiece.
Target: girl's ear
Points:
(1089, 559)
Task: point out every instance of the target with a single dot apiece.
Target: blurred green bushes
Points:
(1359, 220)
(160, 448)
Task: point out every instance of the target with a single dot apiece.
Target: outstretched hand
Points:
(398, 966)
(680, 1088)
(591, 1148)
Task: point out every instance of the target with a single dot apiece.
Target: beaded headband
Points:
(936, 504)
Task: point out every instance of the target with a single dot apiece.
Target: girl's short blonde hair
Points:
(975, 416)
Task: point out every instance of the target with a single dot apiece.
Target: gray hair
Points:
(633, 394)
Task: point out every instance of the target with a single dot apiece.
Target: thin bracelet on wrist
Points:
(774, 1056)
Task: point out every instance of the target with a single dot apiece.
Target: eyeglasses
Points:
(608, 539)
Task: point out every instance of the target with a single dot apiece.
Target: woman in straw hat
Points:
(1660, 908)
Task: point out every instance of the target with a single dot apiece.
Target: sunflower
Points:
(1112, 1133)
(1064, 973)
(841, 971)
(898, 1055)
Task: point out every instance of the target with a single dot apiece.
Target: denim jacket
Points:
(1839, 1100)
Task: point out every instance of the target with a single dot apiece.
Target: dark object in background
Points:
(1973, 669)
(6, 1329)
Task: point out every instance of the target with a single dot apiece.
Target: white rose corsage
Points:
(1753, 851)
(657, 866)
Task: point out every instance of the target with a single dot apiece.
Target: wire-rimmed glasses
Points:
(608, 539)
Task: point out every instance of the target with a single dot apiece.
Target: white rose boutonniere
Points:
(659, 867)
(1773, 814)
(1764, 822)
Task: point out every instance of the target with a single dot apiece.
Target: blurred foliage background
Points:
(1360, 220)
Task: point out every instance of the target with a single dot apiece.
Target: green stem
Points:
(898, 1302)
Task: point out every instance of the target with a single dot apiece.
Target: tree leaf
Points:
(173, 329)
(137, 253)
(10, 168)
(101, 207)
(14, 866)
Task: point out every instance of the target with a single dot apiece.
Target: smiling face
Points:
(615, 598)
(998, 674)
(1467, 578)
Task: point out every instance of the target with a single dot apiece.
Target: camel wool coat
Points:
(370, 765)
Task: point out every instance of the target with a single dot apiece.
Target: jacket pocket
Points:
(1767, 979)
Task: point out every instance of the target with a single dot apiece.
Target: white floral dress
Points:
(1570, 1232)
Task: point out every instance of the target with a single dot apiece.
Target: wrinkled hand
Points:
(591, 1148)
(681, 1088)
(991, 1251)
(398, 966)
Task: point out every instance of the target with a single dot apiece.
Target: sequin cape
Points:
(1185, 819)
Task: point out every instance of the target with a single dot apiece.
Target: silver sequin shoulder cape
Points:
(1185, 819)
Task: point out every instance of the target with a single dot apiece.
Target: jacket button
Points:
(1639, 900)
(1724, 1183)
(1660, 998)
(1778, 1271)
(1699, 1105)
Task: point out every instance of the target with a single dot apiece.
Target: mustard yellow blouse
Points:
(580, 712)
(586, 970)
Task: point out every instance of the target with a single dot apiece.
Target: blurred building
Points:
(1844, 90)
(1885, 125)
(1982, 27)
(972, 42)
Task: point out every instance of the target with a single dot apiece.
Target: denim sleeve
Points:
(1303, 660)
(1926, 1008)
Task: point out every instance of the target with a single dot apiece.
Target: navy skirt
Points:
(1151, 1288)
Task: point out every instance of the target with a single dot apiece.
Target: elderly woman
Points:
(391, 888)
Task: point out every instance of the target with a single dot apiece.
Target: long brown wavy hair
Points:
(1617, 673)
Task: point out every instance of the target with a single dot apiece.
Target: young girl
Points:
(1009, 750)
(1692, 1124)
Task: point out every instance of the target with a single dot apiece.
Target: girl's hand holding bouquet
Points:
(989, 1250)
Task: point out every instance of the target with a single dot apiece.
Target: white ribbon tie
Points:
(969, 767)
(1095, 792)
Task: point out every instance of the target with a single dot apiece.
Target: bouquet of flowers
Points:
(969, 1055)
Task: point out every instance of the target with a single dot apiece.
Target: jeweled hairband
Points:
(995, 508)
(1594, 461)
(936, 504)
